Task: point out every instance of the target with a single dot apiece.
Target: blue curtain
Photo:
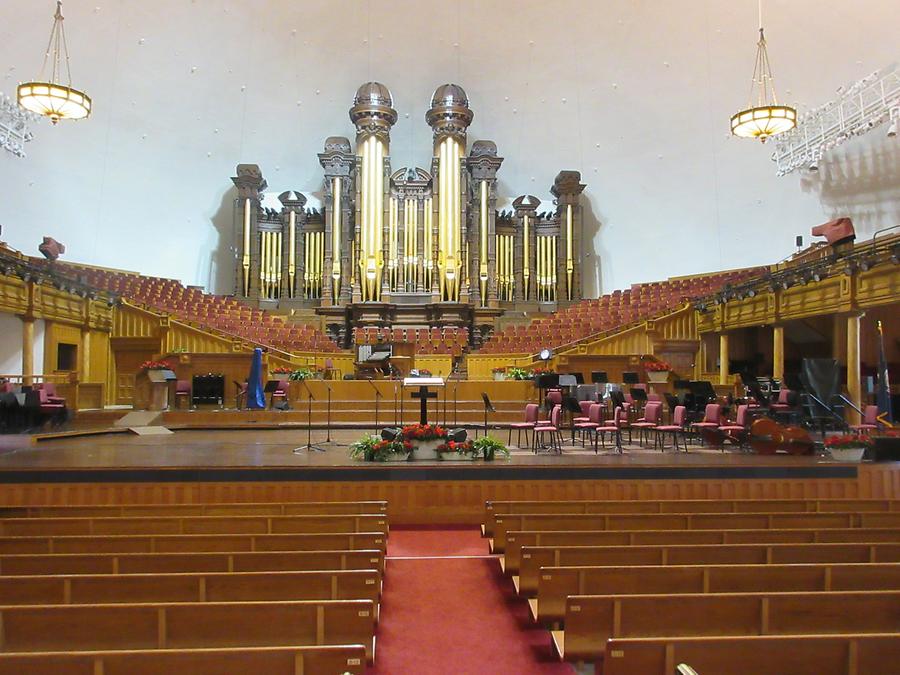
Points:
(256, 397)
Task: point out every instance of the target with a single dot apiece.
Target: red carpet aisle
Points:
(446, 615)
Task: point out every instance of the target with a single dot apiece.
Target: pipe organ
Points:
(387, 239)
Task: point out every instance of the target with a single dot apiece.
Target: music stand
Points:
(570, 405)
(488, 407)
(309, 447)
(630, 377)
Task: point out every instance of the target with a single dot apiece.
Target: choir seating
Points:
(613, 311)
(220, 313)
(591, 620)
(204, 661)
(835, 654)
(204, 588)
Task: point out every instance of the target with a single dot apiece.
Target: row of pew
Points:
(790, 586)
(200, 589)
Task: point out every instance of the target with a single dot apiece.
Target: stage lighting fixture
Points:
(751, 293)
(545, 354)
(865, 264)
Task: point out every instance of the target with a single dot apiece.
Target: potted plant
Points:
(425, 439)
(537, 372)
(657, 371)
(373, 449)
(451, 450)
(499, 373)
(847, 447)
(301, 374)
(155, 365)
(282, 370)
(488, 447)
(517, 373)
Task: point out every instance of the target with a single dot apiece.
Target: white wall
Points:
(11, 345)
(636, 95)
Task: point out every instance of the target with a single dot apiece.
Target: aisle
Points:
(447, 609)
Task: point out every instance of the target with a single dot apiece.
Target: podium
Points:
(422, 384)
(159, 388)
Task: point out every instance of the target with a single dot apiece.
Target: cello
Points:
(768, 437)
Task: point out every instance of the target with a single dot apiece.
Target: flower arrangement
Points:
(423, 432)
(282, 370)
(847, 441)
(373, 449)
(517, 373)
(536, 372)
(156, 365)
(657, 366)
(459, 448)
(498, 370)
(301, 374)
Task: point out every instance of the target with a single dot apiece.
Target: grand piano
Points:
(384, 360)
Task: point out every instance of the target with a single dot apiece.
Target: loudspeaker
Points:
(457, 435)
(390, 433)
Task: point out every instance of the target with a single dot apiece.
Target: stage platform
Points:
(261, 465)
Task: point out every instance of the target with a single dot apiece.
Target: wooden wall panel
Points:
(455, 501)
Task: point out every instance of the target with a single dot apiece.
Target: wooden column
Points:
(85, 355)
(723, 358)
(27, 350)
(778, 352)
(854, 383)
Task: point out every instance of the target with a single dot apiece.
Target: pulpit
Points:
(159, 388)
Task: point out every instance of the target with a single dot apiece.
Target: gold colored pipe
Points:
(510, 251)
(306, 258)
(264, 263)
(442, 216)
(553, 265)
(279, 257)
(292, 253)
(526, 272)
(483, 268)
(336, 237)
(570, 261)
(427, 247)
(245, 262)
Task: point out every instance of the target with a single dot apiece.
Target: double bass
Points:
(768, 437)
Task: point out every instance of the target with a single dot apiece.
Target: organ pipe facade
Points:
(384, 239)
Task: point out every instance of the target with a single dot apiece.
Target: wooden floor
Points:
(262, 465)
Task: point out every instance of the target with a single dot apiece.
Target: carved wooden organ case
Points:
(409, 235)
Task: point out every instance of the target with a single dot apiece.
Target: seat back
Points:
(679, 416)
(531, 412)
(585, 408)
(554, 416)
(871, 415)
(741, 419)
(652, 412)
(183, 387)
(713, 413)
(595, 412)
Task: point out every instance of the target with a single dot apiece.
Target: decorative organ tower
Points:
(410, 247)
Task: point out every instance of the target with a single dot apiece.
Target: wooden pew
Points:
(157, 510)
(851, 654)
(695, 521)
(556, 584)
(191, 587)
(23, 527)
(188, 625)
(493, 508)
(193, 543)
(269, 660)
(165, 563)
(510, 561)
(536, 557)
(591, 620)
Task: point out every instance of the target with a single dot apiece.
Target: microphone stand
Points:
(395, 404)
(455, 409)
(377, 396)
(309, 447)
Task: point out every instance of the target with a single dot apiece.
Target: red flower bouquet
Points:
(423, 432)
(656, 366)
(846, 441)
(156, 365)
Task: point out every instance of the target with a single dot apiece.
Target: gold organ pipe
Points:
(292, 252)
(553, 263)
(393, 236)
(526, 272)
(336, 238)
(306, 258)
(427, 245)
(264, 263)
(442, 216)
(245, 262)
(483, 268)
(279, 258)
(510, 250)
(570, 261)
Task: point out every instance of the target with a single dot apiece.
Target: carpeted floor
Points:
(446, 612)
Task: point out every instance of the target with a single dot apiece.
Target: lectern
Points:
(159, 388)
(423, 392)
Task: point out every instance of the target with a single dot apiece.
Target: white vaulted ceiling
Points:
(634, 94)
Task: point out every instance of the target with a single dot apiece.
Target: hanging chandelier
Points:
(763, 116)
(50, 98)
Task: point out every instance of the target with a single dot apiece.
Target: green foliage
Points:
(373, 449)
(301, 374)
(517, 373)
(488, 447)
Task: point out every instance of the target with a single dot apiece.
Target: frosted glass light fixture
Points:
(763, 117)
(49, 97)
